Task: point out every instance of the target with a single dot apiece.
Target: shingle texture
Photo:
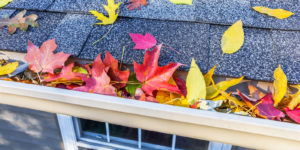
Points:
(193, 30)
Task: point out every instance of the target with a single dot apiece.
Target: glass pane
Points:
(156, 138)
(240, 148)
(191, 144)
(123, 132)
(92, 126)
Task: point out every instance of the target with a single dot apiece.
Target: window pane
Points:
(92, 126)
(156, 138)
(240, 148)
(123, 132)
(191, 144)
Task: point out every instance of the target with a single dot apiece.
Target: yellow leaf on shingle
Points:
(111, 9)
(8, 68)
(195, 84)
(4, 2)
(280, 85)
(277, 13)
(233, 38)
(182, 2)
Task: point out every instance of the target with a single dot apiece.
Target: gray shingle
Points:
(6, 12)
(255, 60)
(30, 4)
(190, 39)
(264, 21)
(77, 5)
(19, 40)
(288, 50)
(72, 32)
(224, 11)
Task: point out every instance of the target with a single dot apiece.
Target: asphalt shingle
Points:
(6, 13)
(72, 32)
(30, 4)
(288, 50)
(190, 39)
(76, 5)
(256, 58)
(19, 40)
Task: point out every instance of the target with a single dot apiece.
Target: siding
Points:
(26, 129)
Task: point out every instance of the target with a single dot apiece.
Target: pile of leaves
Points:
(150, 82)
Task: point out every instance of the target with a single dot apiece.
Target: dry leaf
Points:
(136, 4)
(8, 68)
(208, 76)
(295, 98)
(277, 13)
(111, 9)
(182, 2)
(233, 38)
(280, 85)
(195, 84)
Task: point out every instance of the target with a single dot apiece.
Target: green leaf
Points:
(132, 84)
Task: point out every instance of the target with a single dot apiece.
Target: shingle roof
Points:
(193, 30)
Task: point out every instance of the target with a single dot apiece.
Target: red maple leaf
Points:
(154, 77)
(136, 4)
(99, 81)
(114, 72)
(266, 107)
(43, 59)
(146, 41)
(293, 114)
(66, 74)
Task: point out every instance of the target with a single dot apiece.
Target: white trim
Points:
(219, 146)
(67, 132)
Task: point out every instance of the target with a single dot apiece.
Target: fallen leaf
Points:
(170, 98)
(99, 81)
(132, 84)
(4, 2)
(255, 93)
(19, 21)
(280, 85)
(182, 2)
(195, 84)
(223, 85)
(43, 59)
(120, 77)
(154, 77)
(293, 114)
(140, 95)
(264, 107)
(295, 98)
(233, 38)
(79, 69)
(66, 76)
(277, 13)
(136, 4)
(111, 9)
(143, 42)
(208, 76)
(8, 68)
(181, 85)
(233, 99)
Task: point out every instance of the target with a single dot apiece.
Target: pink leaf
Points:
(143, 42)
(293, 114)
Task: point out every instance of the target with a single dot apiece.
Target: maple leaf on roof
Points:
(146, 41)
(136, 4)
(19, 21)
(99, 81)
(154, 77)
(111, 9)
(43, 59)
(114, 72)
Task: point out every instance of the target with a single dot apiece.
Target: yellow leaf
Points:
(277, 13)
(111, 9)
(8, 68)
(4, 2)
(195, 84)
(212, 92)
(182, 2)
(233, 38)
(78, 69)
(295, 98)
(280, 85)
(232, 99)
(219, 97)
(170, 98)
(208, 75)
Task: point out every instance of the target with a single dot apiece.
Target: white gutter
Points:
(213, 126)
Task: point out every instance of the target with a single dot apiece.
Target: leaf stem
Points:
(171, 49)
(122, 57)
(104, 35)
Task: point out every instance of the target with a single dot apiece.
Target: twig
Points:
(122, 57)
(103, 35)
(171, 49)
